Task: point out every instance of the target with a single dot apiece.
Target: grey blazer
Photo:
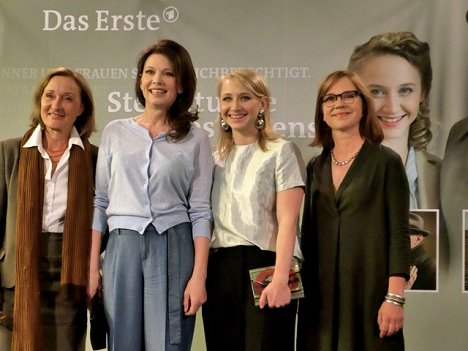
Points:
(454, 177)
(9, 161)
(428, 167)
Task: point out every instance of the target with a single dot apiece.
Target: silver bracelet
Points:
(397, 298)
(394, 302)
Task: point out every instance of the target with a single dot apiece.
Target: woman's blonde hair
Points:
(257, 85)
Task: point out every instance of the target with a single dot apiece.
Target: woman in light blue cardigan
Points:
(153, 186)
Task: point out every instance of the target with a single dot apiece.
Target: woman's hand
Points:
(390, 316)
(390, 319)
(94, 284)
(275, 295)
(195, 291)
(194, 295)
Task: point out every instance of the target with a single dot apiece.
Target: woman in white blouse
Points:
(257, 193)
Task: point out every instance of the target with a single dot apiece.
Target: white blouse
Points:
(56, 185)
(244, 193)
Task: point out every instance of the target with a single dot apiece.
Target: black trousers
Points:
(231, 320)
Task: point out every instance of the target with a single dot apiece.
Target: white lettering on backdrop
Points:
(105, 21)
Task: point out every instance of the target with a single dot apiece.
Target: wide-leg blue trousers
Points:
(144, 278)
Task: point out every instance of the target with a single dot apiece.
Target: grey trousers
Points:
(63, 309)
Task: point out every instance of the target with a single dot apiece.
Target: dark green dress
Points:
(352, 240)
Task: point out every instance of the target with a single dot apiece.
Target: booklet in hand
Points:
(261, 277)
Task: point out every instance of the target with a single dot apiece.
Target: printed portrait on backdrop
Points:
(424, 255)
(396, 67)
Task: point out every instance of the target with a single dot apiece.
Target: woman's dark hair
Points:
(369, 127)
(180, 114)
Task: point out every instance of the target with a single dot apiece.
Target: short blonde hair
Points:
(257, 85)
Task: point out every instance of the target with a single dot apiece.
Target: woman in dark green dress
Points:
(355, 238)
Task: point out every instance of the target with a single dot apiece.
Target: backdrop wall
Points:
(294, 44)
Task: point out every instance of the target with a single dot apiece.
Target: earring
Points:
(224, 125)
(260, 123)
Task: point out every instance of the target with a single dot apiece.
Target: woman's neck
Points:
(155, 122)
(155, 117)
(55, 140)
(399, 146)
(347, 144)
(244, 139)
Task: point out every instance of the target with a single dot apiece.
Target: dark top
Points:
(352, 241)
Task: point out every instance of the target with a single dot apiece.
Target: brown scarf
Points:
(76, 237)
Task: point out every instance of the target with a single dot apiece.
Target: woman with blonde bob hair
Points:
(354, 234)
(257, 85)
(256, 199)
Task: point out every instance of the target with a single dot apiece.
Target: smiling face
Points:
(158, 82)
(343, 116)
(61, 104)
(239, 107)
(396, 89)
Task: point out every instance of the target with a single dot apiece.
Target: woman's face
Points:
(395, 85)
(158, 82)
(61, 104)
(239, 107)
(345, 113)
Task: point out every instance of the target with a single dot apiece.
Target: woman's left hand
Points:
(390, 319)
(194, 295)
(275, 295)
